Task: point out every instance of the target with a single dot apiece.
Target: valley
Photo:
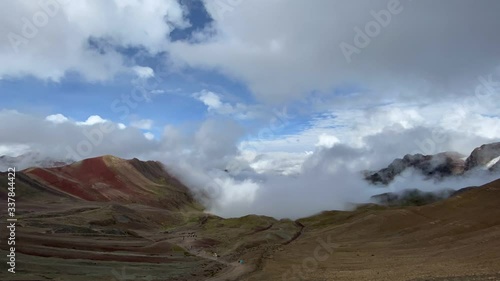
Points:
(112, 219)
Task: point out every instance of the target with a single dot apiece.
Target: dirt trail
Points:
(297, 235)
(232, 271)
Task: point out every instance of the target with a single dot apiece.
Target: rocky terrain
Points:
(431, 166)
(483, 157)
(439, 166)
(108, 218)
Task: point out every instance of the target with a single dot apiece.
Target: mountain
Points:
(107, 218)
(440, 165)
(483, 157)
(30, 159)
(447, 240)
(432, 166)
(411, 197)
(110, 179)
(100, 217)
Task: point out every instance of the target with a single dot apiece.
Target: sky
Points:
(290, 97)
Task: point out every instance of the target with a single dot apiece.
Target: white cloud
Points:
(70, 139)
(144, 124)
(299, 53)
(82, 36)
(328, 141)
(14, 150)
(149, 136)
(214, 104)
(144, 72)
(255, 180)
(56, 118)
(92, 120)
(210, 99)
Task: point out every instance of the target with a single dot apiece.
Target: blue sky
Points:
(75, 98)
(237, 61)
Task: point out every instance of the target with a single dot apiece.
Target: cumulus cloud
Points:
(326, 140)
(56, 118)
(71, 139)
(92, 120)
(144, 72)
(215, 104)
(48, 39)
(233, 181)
(149, 136)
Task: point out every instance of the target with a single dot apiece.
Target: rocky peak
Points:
(439, 165)
(483, 155)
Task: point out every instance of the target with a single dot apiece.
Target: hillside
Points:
(455, 239)
(105, 218)
(98, 216)
(439, 166)
(111, 179)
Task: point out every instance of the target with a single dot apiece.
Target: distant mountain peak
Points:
(113, 179)
(482, 156)
(31, 159)
(440, 165)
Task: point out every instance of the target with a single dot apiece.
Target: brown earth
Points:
(113, 219)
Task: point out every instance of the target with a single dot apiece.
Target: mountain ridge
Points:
(438, 166)
(112, 179)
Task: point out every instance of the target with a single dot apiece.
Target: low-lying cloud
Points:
(210, 161)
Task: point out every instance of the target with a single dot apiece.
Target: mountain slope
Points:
(435, 166)
(482, 155)
(441, 165)
(98, 216)
(111, 179)
(454, 239)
